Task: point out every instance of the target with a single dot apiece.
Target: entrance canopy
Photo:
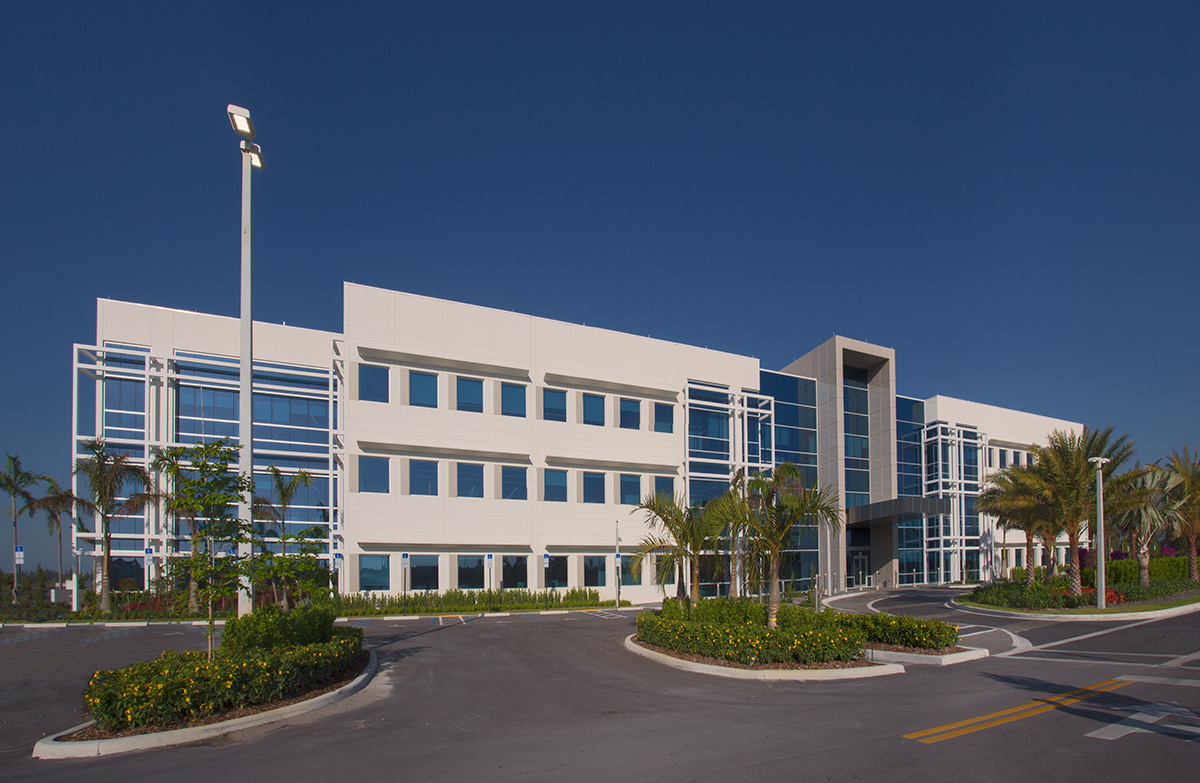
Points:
(903, 509)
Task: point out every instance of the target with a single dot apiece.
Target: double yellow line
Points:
(1036, 707)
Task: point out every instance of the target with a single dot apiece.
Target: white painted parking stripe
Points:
(1181, 660)
(1091, 635)
(1163, 680)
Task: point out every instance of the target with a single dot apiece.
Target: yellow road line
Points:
(991, 719)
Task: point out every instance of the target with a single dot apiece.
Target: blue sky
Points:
(1007, 194)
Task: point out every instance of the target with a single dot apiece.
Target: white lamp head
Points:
(239, 118)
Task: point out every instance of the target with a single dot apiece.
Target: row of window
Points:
(374, 386)
(471, 572)
(511, 481)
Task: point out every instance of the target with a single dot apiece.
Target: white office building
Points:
(456, 446)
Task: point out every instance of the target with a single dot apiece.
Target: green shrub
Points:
(904, 631)
(180, 686)
(1162, 569)
(450, 601)
(750, 644)
(267, 628)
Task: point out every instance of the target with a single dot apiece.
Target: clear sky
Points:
(1007, 194)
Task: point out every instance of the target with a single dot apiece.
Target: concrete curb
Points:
(50, 748)
(1157, 614)
(764, 674)
(917, 659)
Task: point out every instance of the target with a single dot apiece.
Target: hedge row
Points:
(1119, 571)
(431, 602)
(750, 644)
(1056, 593)
(881, 628)
(180, 686)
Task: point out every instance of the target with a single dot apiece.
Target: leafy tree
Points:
(1186, 495)
(779, 503)
(1145, 512)
(18, 484)
(679, 535)
(205, 489)
(57, 501)
(285, 488)
(109, 476)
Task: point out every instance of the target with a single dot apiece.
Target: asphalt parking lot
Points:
(543, 697)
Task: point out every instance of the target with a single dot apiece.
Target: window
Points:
(470, 480)
(469, 395)
(593, 409)
(594, 572)
(664, 417)
(373, 474)
(515, 572)
(630, 576)
(374, 572)
(422, 477)
(664, 485)
(631, 414)
(556, 571)
(555, 489)
(422, 389)
(512, 400)
(372, 383)
(593, 487)
(1003, 458)
(554, 405)
(470, 572)
(512, 483)
(424, 572)
(631, 489)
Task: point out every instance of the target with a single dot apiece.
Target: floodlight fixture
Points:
(255, 153)
(239, 118)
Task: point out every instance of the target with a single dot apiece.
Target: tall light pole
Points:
(251, 159)
(617, 551)
(1100, 585)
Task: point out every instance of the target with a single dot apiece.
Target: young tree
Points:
(18, 484)
(284, 488)
(1007, 495)
(1186, 495)
(680, 534)
(779, 504)
(110, 476)
(57, 501)
(1145, 512)
(205, 489)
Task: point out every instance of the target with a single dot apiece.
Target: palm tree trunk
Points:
(680, 588)
(696, 579)
(1193, 574)
(1029, 561)
(773, 598)
(1143, 560)
(15, 569)
(105, 591)
(61, 580)
(1073, 565)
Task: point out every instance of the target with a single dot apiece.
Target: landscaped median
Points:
(722, 632)
(265, 659)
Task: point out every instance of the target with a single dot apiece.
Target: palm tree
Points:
(679, 535)
(779, 504)
(57, 501)
(733, 510)
(18, 483)
(1064, 479)
(109, 475)
(285, 488)
(1186, 495)
(1007, 497)
(1145, 512)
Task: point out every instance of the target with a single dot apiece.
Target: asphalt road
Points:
(558, 698)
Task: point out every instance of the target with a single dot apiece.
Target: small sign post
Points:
(19, 554)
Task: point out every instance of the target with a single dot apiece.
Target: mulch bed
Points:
(94, 733)
(856, 664)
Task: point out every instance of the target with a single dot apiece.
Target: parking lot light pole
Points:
(1100, 585)
(252, 158)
